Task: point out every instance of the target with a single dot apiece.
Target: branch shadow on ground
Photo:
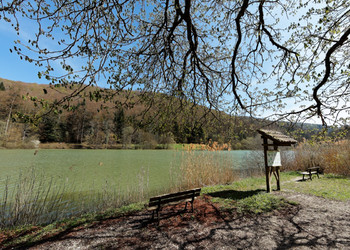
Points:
(292, 227)
(173, 211)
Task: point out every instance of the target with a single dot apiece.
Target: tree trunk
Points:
(9, 116)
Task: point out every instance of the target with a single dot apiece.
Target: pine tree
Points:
(2, 86)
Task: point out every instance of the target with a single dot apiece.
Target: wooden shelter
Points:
(272, 158)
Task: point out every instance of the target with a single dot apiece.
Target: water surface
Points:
(88, 169)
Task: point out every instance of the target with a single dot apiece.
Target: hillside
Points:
(103, 118)
(92, 119)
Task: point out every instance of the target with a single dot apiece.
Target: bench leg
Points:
(158, 214)
(153, 212)
(156, 211)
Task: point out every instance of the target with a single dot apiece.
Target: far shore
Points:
(63, 145)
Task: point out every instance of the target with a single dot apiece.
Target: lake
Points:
(87, 168)
(82, 174)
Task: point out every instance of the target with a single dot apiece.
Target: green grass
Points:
(248, 195)
(258, 203)
(329, 186)
(251, 183)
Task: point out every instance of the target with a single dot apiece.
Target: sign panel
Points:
(273, 158)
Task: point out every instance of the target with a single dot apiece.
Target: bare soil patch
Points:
(315, 223)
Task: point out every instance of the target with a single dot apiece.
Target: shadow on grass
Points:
(235, 195)
(303, 180)
(339, 177)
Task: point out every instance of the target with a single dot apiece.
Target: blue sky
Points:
(11, 66)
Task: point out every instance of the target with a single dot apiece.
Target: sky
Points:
(11, 67)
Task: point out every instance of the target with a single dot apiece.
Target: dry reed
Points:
(205, 167)
(332, 157)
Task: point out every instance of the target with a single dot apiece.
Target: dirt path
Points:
(315, 224)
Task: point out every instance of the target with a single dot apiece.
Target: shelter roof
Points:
(277, 137)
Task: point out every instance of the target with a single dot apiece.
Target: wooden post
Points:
(277, 171)
(267, 169)
(278, 178)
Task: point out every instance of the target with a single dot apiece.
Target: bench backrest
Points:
(174, 197)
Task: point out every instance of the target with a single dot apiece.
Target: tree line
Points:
(95, 123)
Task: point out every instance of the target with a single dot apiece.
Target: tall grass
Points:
(332, 157)
(209, 166)
(35, 199)
(19, 205)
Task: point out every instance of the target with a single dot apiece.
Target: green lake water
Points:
(83, 175)
(87, 169)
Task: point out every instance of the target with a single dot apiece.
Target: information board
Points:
(274, 158)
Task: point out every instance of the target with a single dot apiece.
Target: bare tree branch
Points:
(327, 73)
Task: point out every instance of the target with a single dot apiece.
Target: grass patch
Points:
(329, 186)
(242, 185)
(260, 203)
(253, 183)
(248, 195)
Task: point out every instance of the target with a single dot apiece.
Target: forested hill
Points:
(92, 121)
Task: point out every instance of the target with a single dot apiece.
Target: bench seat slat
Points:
(155, 206)
(313, 172)
(165, 196)
(172, 199)
(310, 171)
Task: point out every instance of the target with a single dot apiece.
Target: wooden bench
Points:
(157, 202)
(310, 171)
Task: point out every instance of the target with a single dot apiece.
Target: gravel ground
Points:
(315, 223)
